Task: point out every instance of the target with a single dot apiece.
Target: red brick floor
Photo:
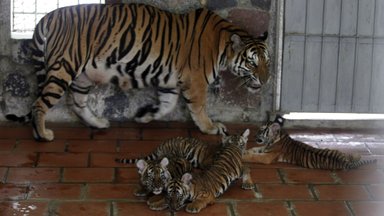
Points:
(76, 174)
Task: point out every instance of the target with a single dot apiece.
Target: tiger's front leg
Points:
(56, 84)
(247, 183)
(167, 102)
(196, 102)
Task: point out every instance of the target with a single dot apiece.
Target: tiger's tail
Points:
(22, 119)
(134, 160)
(356, 164)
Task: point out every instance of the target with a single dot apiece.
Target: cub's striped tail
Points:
(22, 119)
(150, 157)
(356, 164)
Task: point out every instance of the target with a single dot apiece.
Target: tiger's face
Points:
(154, 176)
(250, 61)
(238, 140)
(178, 191)
(269, 133)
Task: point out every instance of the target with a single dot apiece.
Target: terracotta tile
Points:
(17, 159)
(88, 174)
(137, 209)
(7, 145)
(117, 133)
(284, 192)
(3, 172)
(217, 209)
(139, 148)
(261, 208)
(112, 191)
(368, 208)
(27, 208)
(13, 192)
(236, 192)
(91, 146)
(377, 191)
(72, 133)
(55, 191)
(127, 175)
(33, 175)
(34, 146)
(307, 176)
(83, 208)
(341, 192)
(321, 208)
(265, 175)
(368, 176)
(16, 131)
(162, 134)
(152, 124)
(63, 160)
(107, 160)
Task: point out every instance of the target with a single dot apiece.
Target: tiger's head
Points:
(250, 61)
(270, 132)
(154, 175)
(178, 192)
(238, 140)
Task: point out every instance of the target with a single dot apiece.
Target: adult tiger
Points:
(135, 46)
(278, 146)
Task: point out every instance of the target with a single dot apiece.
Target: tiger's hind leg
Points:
(167, 101)
(58, 79)
(78, 99)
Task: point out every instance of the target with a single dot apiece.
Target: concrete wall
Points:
(229, 104)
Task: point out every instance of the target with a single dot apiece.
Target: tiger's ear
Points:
(164, 162)
(237, 43)
(246, 134)
(141, 165)
(186, 178)
(275, 127)
(263, 36)
(280, 120)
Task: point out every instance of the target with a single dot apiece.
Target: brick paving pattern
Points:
(76, 174)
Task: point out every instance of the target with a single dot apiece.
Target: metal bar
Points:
(321, 58)
(373, 57)
(305, 48)
(356, 56)
(338, 54)
(279, 52)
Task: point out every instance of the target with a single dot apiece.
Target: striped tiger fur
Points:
(156, 174)
(278, 146)
(202, 188)
(135, 46)
(194, 150)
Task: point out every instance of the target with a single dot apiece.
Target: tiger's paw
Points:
(146, 114)
(47, 135)
(158, 205)
(191, 208)
(140, 192)
(247, 186)
(100, 123)
(217, 128)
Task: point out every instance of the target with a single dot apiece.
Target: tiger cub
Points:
(136, 46)
(197, 152)
(156, 174)
(280, 147)
(202, 188)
